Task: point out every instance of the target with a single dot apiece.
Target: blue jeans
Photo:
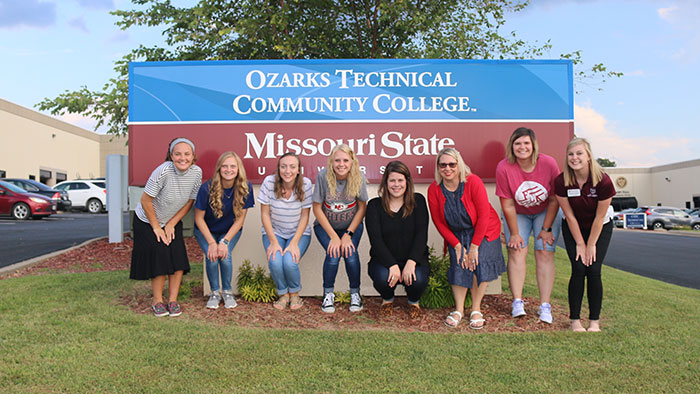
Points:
(532, 224)
(330, 264)
(283, 269)
(213, 267)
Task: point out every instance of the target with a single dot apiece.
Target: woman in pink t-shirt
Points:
(524, 183)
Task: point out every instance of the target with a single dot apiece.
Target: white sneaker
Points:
(328, 303)
(355, 302)
(214, 300)
(545, 313)
(518, 308)
(229, 300)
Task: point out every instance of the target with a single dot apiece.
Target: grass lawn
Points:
(67, 333)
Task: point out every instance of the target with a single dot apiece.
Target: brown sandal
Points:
(295, 303)
(414, 311)
(281, 303)
(386, 309)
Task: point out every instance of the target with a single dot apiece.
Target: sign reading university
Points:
(384, 109)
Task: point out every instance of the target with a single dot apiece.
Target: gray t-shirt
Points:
(170, 189)
(340, 209)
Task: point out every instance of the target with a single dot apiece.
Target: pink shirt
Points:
(529, 190)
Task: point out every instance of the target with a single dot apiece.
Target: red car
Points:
(22, 205)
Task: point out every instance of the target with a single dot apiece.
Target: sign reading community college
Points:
(384, 109)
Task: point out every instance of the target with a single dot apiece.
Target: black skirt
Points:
(151, 258)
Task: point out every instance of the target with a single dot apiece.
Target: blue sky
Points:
(648, 117)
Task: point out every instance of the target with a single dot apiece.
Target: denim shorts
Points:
(531, 225)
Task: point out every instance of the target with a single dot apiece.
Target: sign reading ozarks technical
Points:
(384, 109)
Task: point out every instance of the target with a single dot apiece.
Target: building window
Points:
(3, 174)
(60, 177)
(32, 177)
(44, 176)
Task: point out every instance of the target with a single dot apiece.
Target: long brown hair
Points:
(240, 187)
(409, 198)
(298, 181)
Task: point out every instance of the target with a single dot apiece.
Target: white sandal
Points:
(450, 321)
(473, 322)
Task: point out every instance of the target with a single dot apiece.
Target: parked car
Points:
(669, 217)
(619, 218)
(86, 194)
(61, 197)
(21, 205)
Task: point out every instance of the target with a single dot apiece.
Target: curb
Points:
(688, 233)
(38, 259)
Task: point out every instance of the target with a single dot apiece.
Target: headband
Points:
(178, 140)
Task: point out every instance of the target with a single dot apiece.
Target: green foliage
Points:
(312, 29)
(342, 298)
(186, 289)
(254, 284)
(606, 162)
(438, 293)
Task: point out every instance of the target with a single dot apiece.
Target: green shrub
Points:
(185, 292)
(342, 298)
(438, 293)
(254, 284)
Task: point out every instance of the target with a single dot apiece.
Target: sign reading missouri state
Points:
(384, 109)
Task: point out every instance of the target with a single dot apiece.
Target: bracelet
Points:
(350, 233)
(548, 229)
(224, 241)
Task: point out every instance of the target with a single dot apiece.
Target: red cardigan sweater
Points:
(484, 217)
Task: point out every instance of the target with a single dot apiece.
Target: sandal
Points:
(473, 322)
(450, 320)
(281, 303)
(295, 303)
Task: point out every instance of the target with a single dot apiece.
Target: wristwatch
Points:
(224, 241)
(350, 233)
(548, 229)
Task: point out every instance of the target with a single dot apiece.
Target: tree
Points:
(606, 162)
(310, 29)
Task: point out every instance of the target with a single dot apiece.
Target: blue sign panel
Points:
(635, 220)
(350, 90)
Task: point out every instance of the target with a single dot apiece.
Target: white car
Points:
(86, 194)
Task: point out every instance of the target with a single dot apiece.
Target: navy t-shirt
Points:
(220, 226)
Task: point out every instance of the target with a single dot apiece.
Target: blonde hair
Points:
(462, 167)
(595, 170)
(521, 132)
(298, 181)
(354, 180)
(240, 187)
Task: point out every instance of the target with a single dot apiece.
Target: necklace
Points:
(227, 195)
(286, 193)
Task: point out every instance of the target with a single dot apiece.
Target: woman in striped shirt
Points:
(159, 249)
(285, 203)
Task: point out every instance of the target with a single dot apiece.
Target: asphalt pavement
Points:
(22, 240)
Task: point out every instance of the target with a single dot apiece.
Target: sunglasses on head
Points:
(445, 165)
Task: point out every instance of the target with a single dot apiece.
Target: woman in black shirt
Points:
(397, 225)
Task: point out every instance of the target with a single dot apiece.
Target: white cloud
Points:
(78, 23)
(643, 151)
(81, 121)
(31, 13)
(683, 17)
(635, 73)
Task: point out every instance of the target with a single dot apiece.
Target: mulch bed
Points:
(100, 255)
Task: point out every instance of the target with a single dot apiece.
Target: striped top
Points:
(285, 213)
(171, 189)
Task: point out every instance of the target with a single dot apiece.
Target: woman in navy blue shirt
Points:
(219, 213)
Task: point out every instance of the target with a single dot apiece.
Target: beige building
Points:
(676, 185)
(40, 147)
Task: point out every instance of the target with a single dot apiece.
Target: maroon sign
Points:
(481, 143)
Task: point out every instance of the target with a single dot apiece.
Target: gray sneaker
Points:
(328, 303)
(214, 300)
(545, 313)
(355, 302)
(229, 300)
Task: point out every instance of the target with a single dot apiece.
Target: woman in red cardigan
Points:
(471, 227)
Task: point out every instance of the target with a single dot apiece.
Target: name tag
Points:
(573, 193)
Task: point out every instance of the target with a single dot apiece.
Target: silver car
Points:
(669, 217)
